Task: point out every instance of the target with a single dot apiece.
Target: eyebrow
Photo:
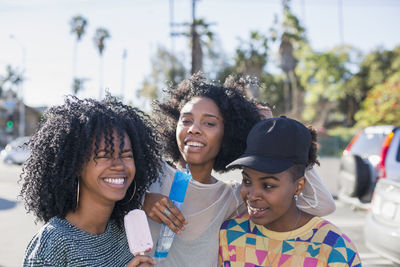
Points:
(123, 150)
(205, 114)
(263, 177)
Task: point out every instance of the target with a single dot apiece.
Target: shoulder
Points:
(241, 221)
(340, 247)
(49, 243)
(164, 180)
(331, 232)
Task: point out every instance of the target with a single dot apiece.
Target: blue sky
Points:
(41, 29)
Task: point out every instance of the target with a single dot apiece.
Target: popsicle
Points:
(138, 232)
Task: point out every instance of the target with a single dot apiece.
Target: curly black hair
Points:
(298, 170)
(239, 114)
(67, 136)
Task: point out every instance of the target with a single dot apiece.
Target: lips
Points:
(256, 211)
(115, 181)
(194, 145)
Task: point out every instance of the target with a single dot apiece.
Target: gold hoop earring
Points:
(134, 191)
(77, 195)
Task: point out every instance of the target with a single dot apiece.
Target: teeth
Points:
(194, 144)
(114, 180)
(254, 209)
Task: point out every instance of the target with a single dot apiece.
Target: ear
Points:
(300, 183)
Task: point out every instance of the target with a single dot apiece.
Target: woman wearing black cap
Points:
(274, 231)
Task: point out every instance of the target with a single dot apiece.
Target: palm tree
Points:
(78, 25)
(99, 38)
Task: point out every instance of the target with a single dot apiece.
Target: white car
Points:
(382, 228)
(15, 152)
(358, 165)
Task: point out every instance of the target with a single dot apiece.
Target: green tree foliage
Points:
(324, 75)
(251, 55)
(78, 85)
(382, 104)
(78, 26)
(99, 38)
(250, 60)
(10, 80)
(200, 36)
(166, 68)
(375, 68)
(324, 87)
(292, 38)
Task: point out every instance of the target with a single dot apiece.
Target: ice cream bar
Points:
(138, 232)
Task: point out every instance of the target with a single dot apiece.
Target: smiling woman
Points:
(91, 163)
(199, 132)
(275, 231)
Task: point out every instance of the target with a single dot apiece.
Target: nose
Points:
(117, 163)
(253, 194)
(194, 128)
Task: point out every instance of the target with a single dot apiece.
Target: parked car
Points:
(15, 152)
(358, 165)
(389, 166)
(382, 227)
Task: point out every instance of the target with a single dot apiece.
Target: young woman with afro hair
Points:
(204, 127)
(91, 163)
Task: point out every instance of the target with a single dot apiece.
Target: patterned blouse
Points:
(317, 243)
(59, 243)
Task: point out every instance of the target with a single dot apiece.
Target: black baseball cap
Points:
(274, 145)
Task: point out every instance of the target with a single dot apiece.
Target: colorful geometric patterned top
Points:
(317, 243)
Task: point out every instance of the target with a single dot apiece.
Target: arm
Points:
(315, 198)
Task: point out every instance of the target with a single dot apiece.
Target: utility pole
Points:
(194, 35)
(197, 55)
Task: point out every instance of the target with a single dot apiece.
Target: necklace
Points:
(294, 228)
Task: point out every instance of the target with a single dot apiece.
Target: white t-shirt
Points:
(206, 207)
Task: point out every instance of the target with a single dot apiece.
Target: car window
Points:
(398, 150)
(368, 144)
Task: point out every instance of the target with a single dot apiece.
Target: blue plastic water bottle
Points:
(177, 196)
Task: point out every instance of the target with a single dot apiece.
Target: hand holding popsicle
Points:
(138, 232)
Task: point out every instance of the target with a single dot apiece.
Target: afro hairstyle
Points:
(68, 134)
(239, 114)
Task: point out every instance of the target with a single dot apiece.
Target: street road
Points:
(17, 227)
